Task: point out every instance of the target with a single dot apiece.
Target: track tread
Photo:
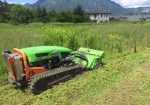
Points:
(36, 78)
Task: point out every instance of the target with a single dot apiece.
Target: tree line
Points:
(17, 14)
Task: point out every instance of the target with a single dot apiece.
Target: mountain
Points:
(88, 5)
(142, 10)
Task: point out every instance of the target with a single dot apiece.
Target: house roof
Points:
(99, 12)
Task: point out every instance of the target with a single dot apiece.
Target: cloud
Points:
(133, 3)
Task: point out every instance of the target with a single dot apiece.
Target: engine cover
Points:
(14, 65)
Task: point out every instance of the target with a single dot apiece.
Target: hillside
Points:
(140, 10)
(89, 5)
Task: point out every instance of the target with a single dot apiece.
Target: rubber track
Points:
(50, 73)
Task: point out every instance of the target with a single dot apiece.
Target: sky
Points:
(124, 3)
(133, 3)
(21, 1)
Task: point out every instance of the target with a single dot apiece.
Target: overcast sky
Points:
(133, 3)
(124, 3)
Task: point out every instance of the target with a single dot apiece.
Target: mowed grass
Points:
(123, 79)
(134, 89)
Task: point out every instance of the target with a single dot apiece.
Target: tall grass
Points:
(18, 37)
(110, 37)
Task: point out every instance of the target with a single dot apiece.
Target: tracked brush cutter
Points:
(43, 66)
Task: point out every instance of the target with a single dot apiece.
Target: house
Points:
(3, 6)
(148, 18)
(136, 18)
(3, 9)
(143, 16)
(99, 16)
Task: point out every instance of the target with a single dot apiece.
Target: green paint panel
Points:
(42, 52)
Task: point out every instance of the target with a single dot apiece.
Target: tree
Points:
(78, 11)
(20, 14)
(1, 3)
(5, 17)
(4, 11)
(52, 15)
(44, 15)
(37, 14)
(79, 15)
(41, 15)
(65, 16)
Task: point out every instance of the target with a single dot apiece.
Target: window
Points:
(106, 15)
(41, 55)
(94, 16)
(148, 17)
(65, 54)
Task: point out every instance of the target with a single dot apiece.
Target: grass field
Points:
(123, 80)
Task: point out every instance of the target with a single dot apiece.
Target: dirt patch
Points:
(145, 66)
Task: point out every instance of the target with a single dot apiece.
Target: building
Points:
(148, 18)
(143, 16)
(99, 16)
(135, 18)
(3, 6)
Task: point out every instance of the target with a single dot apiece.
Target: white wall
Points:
(92, 17)
(100, 17)
(134, 18)
(148, 19)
